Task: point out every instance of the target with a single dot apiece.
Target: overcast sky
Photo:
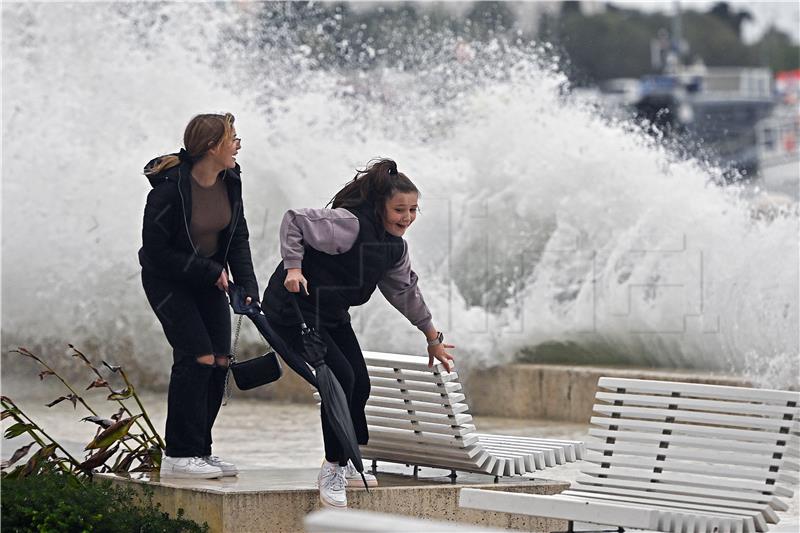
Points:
(785, 15)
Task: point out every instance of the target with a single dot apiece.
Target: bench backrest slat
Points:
(711, 432)
(702, 417)
(757, 449)
(412, 375)
(435, 418)
(422, 386)
(763, 461)
(409, 362)
(700, 390)
(415, 405)
(682, 402)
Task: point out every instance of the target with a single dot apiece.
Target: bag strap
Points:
(227, 392)
(236, 339)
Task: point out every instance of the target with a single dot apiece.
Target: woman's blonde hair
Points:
(202, 133)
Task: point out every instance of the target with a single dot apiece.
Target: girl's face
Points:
(225, 152)
(400, 212)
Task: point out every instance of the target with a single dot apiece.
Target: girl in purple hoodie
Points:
(338, 257)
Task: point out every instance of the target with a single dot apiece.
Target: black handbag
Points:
(254, 372)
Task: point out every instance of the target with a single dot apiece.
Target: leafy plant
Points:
(57, 502)
(127, 441)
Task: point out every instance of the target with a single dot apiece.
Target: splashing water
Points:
(543, 223)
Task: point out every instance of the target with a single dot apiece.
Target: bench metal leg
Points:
(453, 476)
(416, 472)
(374, 466)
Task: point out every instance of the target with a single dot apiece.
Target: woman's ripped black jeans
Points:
(196, 322)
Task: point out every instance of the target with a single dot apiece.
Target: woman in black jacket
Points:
(194, 230)
(339, 257)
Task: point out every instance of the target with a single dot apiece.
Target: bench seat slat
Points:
(555, 507)
(526, 462)
(755, 514)
(573, 449)
(750, 496)
(766, 510)
(533, 460)
(735, 475)
(515, 464)
(466, 453)
(559, 454)
(549, 456)
(698, 479)
(718, 519)
(478, 465)
(552, 456)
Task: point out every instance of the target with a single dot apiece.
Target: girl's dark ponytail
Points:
(375, 184)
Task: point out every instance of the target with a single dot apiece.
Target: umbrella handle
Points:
(293, 298)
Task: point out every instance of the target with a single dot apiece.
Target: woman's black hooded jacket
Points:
(167, 248)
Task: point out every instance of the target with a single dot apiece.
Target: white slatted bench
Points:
(676, 457)
(357, 521)
(419, 416)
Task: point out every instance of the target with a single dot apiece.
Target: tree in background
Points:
(716, 39)
(733, 19)
(616, 43)
(776, 50)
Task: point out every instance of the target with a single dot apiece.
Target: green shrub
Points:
(61, 503)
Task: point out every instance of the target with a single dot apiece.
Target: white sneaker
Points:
(188, 468)
(331, 483)
(351, 474)
(228, 468)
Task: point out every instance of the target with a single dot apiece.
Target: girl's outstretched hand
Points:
(439, 352)
(294, 280)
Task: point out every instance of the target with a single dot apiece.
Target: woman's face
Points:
(225, 152)
(401, 211)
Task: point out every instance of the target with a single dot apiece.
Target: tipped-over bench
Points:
(676, 457)
(419, 416)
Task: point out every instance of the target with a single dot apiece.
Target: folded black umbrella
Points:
(253, 312)
(334, 401)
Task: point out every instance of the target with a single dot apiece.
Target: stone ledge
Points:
(560, 392)
(277, 500)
